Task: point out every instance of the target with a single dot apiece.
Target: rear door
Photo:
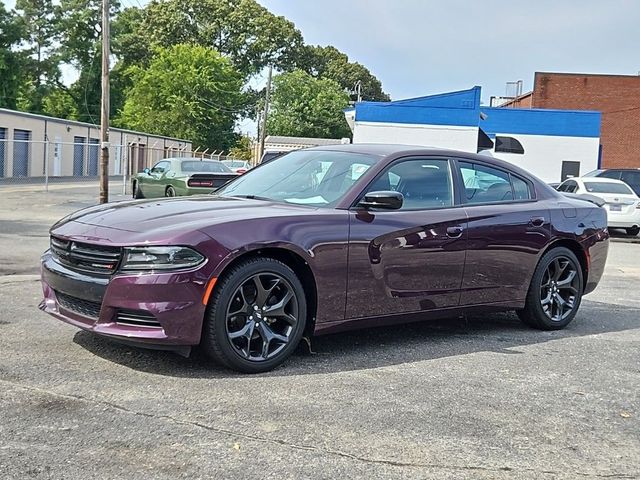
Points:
(506, 229)
(409, 259)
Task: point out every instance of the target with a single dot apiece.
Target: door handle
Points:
(537, 221)
(454, 232)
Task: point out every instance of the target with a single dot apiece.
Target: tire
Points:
(633, 231)
(549, 313)
(137, 193)
(236, 325)
(170, 192)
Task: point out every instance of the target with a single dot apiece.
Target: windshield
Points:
(305, 177)
(606, 187)
(198, 166)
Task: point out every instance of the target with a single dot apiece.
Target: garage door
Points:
(78, 156)
(93, 156)
(21, 152)
(3, 150)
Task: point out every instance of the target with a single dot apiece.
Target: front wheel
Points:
(137, 193)
(256, 317)
(633, 231)
(555, 291)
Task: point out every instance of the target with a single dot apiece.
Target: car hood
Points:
(158, 218)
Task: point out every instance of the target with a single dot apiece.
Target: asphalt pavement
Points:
(481, 397)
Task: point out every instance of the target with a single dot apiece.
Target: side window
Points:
(424, 183)
(508, 145)
(611, 174)
(521, 189)
(562, 187)
(484, 184)
(160, 167)
(571, 186)
(632, 179)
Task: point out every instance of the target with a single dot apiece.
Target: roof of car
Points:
(598, 179)
(382, 149)
(386, 149)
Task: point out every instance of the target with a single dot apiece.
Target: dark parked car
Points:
(630, 176)
(322, 240)
(270, 155)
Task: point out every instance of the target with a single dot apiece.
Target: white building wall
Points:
(544, 154)
(442, 136)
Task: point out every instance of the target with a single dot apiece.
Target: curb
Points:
(625, 239)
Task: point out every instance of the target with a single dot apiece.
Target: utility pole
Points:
(104, 109)
(267, 97)
(359, 90)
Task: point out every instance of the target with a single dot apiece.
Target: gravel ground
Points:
(483, 397)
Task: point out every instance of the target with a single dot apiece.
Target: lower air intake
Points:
(137, 318)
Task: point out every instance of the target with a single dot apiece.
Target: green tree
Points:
(59, 103)
(40, 67)
(80, 32)
(11, 35)
(187, 91)
(242, 150)
(305, 106)
(243, 30)
(329, 62)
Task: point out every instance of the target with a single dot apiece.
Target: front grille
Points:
(78, 305)
(86, 257)
(136, 318)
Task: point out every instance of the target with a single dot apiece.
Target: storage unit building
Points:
(29, 143)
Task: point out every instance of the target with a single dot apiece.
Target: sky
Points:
(421, 47)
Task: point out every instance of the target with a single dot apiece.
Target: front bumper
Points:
(93, 303)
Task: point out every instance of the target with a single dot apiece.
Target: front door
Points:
(411, 259)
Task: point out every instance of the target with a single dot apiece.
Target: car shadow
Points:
(501, 333)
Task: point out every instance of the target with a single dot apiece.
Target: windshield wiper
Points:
(253, 197)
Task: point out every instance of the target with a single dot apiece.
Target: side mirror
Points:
(147, 171)
(387, 200)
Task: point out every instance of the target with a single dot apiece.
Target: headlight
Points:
(160, 258)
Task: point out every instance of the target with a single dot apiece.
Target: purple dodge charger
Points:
(322, 240)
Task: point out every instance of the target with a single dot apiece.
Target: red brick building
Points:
(617, 97)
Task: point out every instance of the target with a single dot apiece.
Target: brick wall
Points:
(616, 96)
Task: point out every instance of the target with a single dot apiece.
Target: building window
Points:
(508, 145)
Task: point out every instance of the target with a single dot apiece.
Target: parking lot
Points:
(478, 397)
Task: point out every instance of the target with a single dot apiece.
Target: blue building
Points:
(551, 144)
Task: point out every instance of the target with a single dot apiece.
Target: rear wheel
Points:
(256, 317)
(633, 231)
(555, 291)
(170, 192)
(137, 193)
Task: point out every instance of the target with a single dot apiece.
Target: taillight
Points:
(240, 171)
(200, 183)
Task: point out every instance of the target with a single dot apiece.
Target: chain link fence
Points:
(40, 163)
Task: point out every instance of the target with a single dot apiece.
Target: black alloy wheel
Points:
(559, 289)
(555, 291)
(170, 192)
(256, 317)
(262, 316)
